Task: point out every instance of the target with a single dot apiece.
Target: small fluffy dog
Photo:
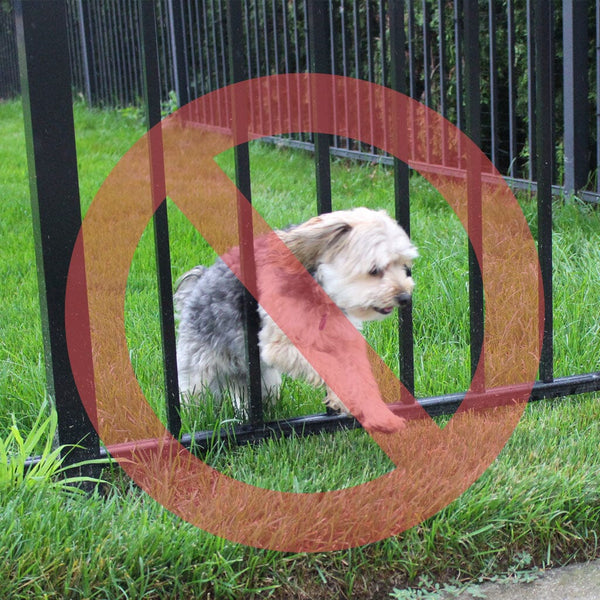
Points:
(361, 258)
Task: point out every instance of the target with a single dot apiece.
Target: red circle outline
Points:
(433, 466)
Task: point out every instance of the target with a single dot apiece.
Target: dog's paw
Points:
(334, 403)
(383, 421)
(377, 418)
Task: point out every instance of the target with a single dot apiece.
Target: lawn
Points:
(538, 505)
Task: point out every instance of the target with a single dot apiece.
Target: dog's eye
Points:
(408, 271)
(376, 272)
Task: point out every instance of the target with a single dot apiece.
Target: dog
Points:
(362, 260)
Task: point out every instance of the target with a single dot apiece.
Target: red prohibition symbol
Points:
(433, 466)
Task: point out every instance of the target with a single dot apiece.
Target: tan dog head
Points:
(362, 258)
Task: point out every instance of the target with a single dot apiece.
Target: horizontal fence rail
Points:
(457, 58)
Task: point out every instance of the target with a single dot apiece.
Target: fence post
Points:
(544, 163)
(54, 187)
(473, 129)
(398, 69)
(320, 62)
(237, 62)
(152, 99)
(576, 88)
(597, 93)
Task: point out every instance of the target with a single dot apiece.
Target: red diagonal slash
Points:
(433, 466)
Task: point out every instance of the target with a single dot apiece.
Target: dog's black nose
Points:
(404, 300)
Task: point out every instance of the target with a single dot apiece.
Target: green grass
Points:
(541, 498)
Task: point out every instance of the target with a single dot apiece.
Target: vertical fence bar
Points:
(266, 59)
(383, 43)
(98, 36)
(401, 182)
(458, 58)
(125, 41)
(74, 41)
(286, 55)
(597, 56)
(132, 70)
(531, 91)
(87, 52)
(181, 76)
(412, 68)
(53, 181)
(512, 89)
(412, 77)
(575, 93)
(161, 227)
(356, 38)
(276, 41)
(257, 65)
(427, 70)
(224, 68)
(383, 58)
(137, 35)
(9, 79)
(473, 129)
(276, 58)
(370, 69)
(442, 60)
(305, 27)
(211, 42)
(442, 107)
(493, 75)
(345, 55)
(318, 19)
(358, 68)
(336, 140)
(111, 62)
(197, 72)
(318, 25)
(209, 51)
(113, 57)
(265, 32)
(296, 36)
(204, 49)
(248, 37)
(123, 59)
(237, 62)
(192, 45)
(426, 32)
(164, 46)
(544, 107)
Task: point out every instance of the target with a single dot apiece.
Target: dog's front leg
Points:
(280, 353)
(277, 351)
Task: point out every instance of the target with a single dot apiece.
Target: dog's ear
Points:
(185, 286)
(310, 240)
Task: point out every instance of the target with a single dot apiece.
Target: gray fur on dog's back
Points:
(209, 305)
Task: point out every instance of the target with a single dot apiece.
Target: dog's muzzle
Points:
(404, 300)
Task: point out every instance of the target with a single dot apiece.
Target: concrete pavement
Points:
(574, 582)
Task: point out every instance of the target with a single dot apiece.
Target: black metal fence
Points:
(492, 67)
(9, 74)
(192, 38)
